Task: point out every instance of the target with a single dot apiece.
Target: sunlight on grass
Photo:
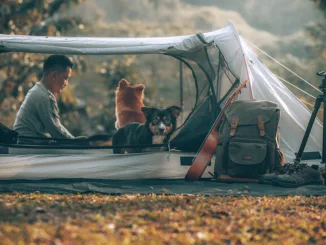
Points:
(160, 219)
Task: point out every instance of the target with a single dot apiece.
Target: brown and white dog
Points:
(159, 126)
(128, 103)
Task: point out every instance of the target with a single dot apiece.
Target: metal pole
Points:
(320, 99)
(308, 129)
(324, 118)
(181, 89)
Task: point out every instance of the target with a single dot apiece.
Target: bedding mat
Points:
(157, 186)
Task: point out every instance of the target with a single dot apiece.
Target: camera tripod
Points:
(321, 98)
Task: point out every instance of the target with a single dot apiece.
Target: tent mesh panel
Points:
(191, 134)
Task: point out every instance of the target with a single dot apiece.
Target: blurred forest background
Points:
(293, 32)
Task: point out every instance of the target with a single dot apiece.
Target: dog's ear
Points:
(140, 87)
(175, 111)
(123, 83)
(147, 111)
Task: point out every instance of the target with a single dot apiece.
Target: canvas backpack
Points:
(249, 140)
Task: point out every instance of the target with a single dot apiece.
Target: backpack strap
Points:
(278, 137)
(261, 126)
(234, 124)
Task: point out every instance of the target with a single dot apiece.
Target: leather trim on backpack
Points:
(234, 124)
(261, 126)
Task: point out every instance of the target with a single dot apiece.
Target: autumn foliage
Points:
(161, 219)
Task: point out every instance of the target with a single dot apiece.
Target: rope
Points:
(310, 104)
(307, 103)
(283, 66)
(295, 87)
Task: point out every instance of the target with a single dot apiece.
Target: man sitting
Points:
(38, 115)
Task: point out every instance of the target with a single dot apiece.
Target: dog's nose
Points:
(161, 130)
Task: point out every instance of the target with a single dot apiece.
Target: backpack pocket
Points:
(246, 157)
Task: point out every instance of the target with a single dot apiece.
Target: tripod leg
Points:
(310, 124)
(324, 129)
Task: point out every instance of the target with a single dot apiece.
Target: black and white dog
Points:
(159, 125)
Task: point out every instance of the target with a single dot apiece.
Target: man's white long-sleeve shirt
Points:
(38, 115)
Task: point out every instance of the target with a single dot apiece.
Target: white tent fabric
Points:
(158, 165)
(241, 59)
(264, 85)
(104, 46)
(294, 114)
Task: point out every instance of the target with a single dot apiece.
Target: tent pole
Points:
(181, 88)
(323, 86)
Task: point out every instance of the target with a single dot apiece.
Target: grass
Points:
(160, 219)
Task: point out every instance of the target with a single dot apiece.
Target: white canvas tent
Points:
(203, 54)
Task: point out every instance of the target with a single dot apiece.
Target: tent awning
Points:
(102, 46)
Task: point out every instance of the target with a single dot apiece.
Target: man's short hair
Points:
(56, 63)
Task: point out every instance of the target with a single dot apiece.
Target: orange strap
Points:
(208, 147)
(227, 178)
(278, 141)
(278, 137)
(261, 126)
(234, 124)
